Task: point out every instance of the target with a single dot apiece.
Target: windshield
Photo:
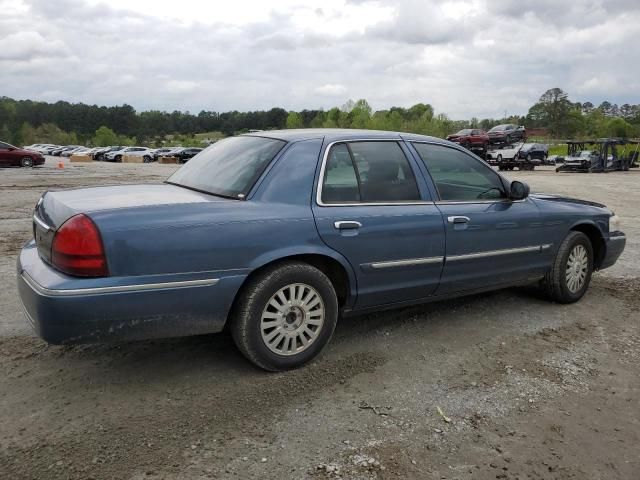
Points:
(584, 154)
(229, 167)
(498, 128)
(464, 132)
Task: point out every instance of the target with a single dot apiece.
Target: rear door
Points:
(372, 205)
(490, 240)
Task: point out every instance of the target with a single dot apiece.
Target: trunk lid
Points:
(54, 208)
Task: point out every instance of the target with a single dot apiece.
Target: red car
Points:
(11, 156)
(470, 137)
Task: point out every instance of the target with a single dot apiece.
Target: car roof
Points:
(336, 134)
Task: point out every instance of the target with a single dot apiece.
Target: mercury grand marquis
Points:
(275, 235)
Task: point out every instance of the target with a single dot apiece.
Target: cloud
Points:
(24, 46)
(331, 89)
(465, 57)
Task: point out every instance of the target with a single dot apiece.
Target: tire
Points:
(257, 308)
(26, 162)
(118, 158)
(561, 285)
(501, 168)
(529, 157)
(499, 158)
(146, 159)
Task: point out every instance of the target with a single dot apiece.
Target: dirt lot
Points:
(531, 389)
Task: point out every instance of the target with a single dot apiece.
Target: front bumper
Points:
(65, 309)
(614, 246)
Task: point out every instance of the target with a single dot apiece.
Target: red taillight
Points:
(77, 248)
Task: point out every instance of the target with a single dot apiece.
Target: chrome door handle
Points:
(345, 225)
(458, 219)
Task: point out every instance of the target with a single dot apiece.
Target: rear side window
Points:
(368, 172)
(229, 167)
(340, 181)
(458, 176)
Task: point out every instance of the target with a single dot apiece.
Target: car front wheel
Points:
(570, 274)
(284, 316)
(26, 162)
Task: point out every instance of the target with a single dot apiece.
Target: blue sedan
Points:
(275, 235)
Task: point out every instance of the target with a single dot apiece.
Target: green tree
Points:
(552, 110)
(105, 137)
(360, 114)
(294, 120)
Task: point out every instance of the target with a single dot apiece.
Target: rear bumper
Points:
(614, 247)
(65, 310)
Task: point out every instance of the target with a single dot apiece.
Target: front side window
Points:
(368, 172)
(4, 146)
(458, 176)
(229, 167)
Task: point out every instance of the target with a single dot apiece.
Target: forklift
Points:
(597, 156)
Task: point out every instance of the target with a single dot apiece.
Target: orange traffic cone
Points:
(60, 164)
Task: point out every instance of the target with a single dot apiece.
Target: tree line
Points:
(25, 121)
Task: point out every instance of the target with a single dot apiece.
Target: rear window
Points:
(230, 167)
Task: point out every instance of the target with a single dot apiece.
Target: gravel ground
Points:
(529, 389)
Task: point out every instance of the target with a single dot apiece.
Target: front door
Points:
(7, 157)
(491, 240)
(373, 209)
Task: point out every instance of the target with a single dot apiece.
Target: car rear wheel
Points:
(570, 274)
(284, 316)
(26, 162)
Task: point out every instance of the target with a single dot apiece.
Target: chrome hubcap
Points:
(292, 319)
(577, 266)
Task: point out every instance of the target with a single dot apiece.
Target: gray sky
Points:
(467, 58)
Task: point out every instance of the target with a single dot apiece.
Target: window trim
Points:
(325, 157)
(439, 201)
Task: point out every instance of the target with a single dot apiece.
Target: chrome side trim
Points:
(51, 292)
(493, 253)
(408, 262)
(617, 237)
(546, 246)
(358, 204)
(41, 223)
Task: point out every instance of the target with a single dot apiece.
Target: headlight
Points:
(615, 223)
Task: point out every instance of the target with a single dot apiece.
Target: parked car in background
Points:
(162, 152)
(48, 149)
(275, 235)
(185, 154)
(98, 151)
(11, 156)
(506, 133)
(531, 151)
(470, 137)
(57, 151)
(583, 159)
(100, 155)
(145, 153)
(33, 146)
(71, 150)
(116, 155)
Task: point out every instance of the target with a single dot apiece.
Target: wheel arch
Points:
(332, 264)
(597, 241)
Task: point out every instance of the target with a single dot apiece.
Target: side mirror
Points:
(518, 190)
